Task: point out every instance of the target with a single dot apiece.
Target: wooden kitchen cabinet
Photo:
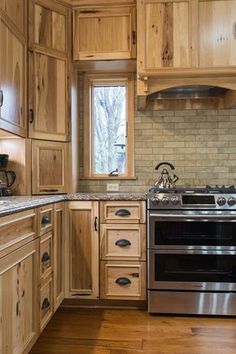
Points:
(15, 12)
(59, 254)
(19, 299)
(83, 250)
(49, 167)
(104, 33)
(49, 68)
(12, 79)
(123, 250)
(217, 33)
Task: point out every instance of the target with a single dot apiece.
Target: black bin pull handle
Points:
(45, 220)
(45, 257)
(123, 281)
(45, 304)
(123, 242)
(122, 212)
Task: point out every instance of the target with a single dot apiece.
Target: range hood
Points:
(186, 93)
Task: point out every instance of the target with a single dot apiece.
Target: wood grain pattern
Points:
(91, 28)
(46, 246)
(135, 272)
(19, 299)
(46, 293)
(135, 332)
(49, 167)
(50, 28)
(83, 250)
(110, 234)
(109, 209)
(59, 254)
(167, 34)
(12, 81)
(17, 230)
(46, 211)
(217, 33)
(16, 12)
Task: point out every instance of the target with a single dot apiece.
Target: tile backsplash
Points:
(201, 144)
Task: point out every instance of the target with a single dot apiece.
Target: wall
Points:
(201, 145)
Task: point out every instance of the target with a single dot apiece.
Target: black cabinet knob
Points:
(123, 281)
(123, 243)
(45, 257)
(45, 220)
(45, 304)
(122, 212)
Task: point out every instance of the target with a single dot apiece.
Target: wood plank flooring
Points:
(99, 331)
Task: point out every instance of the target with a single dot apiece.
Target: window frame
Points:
(95, 79)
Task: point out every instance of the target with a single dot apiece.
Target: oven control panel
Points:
(191, 201)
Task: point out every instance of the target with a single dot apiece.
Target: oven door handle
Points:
(177, 217)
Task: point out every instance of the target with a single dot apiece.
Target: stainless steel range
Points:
(192, 250)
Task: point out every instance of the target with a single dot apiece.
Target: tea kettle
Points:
(165, 181)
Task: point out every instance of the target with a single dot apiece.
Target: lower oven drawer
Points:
(192, 270)
(190, 303)
(123, 280)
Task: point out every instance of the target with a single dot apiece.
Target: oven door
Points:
(189, 229)
(192, 270)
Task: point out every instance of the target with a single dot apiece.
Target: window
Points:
(108, 126)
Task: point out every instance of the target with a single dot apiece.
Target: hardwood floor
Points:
(99, 331)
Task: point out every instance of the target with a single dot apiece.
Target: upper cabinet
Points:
(49, 79)
(104, 33)
(165, 34)
(13, 67)
(217, 33)
(186, 36)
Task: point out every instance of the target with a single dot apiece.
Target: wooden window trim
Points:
(89, 79)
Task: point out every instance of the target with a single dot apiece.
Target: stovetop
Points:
(196, 190)
(209, 197)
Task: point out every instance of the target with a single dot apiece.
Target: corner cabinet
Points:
(49, 79)
(92, 26)
(13, 67)
(19, 299)
(49, 167)
(83, 250)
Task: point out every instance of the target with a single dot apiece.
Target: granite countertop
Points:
(14, 204)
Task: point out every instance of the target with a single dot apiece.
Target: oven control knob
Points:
(231, 201)
(175, 200)
(155, 200)
(221, 201)
(165, 200)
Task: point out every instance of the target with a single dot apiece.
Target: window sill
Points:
(108, 178)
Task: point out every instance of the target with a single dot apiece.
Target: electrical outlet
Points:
(112, 187)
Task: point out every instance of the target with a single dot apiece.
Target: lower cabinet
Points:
(46, 302)
(19, 299)
(83, 250)
(59, 254)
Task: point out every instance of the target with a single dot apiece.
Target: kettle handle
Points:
(175, 179)
(165, 163)
(13, 178)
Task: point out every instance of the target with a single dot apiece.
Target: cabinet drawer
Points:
(125, 281)
(123, 242)
(122, 212)
(46, 255)
(46, 302)
(16, 230)
(45, 219)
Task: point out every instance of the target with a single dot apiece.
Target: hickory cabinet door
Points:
(49, 48)
(83, 250)
(217, 33)
(104, 33)
(12, 80)
(49, 167)
(165, 34)
(19, 299)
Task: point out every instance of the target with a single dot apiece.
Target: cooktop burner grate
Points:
(195, 190)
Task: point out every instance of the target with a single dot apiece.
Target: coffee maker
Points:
(7, 177)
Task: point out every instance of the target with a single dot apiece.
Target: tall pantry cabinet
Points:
(13, 66)
(49, 104)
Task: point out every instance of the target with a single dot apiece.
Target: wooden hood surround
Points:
(184, 43)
